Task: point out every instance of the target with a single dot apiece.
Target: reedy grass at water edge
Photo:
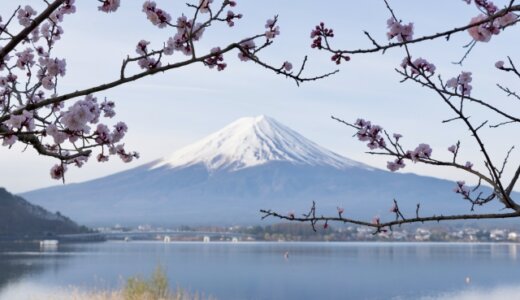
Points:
(136, 288)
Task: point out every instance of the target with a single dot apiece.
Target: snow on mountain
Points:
(254, 141)
(251, 164)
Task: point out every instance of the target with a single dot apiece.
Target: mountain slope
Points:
(251, 164)
(21, 219)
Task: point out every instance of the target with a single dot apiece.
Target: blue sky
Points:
(168, 111)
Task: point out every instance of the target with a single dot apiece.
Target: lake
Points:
(263, 271)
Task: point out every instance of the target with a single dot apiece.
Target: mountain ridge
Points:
(188, 189)
(20, 219)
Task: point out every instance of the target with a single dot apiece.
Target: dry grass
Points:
(121, 295)
(135, 288)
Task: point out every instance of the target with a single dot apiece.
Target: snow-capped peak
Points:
(254, 141)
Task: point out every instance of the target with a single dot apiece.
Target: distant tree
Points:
(457, 93)
(33, 109)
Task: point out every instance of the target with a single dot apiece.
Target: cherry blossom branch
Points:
(32, 109)
(27, 30)
(380, 226)
(456, 93)
(446, 34)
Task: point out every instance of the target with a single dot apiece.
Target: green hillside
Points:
(20, 219)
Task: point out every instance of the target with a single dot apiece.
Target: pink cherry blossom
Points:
(148, 63)
(461, 83)
(421, 152)
(396, 29)
(142, 47)
(319, 33)
(56, 67)
(157, 16)
(103, 135)
(462, 189)
(395, 165)
(287, 66)
(507, 19)
(58, 171)
(82, 112)
(204, 5)
(25, 14)
(482, 32)
(231, 16)
(370, 133)
(272, 29)
(109, 6)
(246, 48)
(452, 148)
(119, 132)
(25, 59)
(217, 60)
(58, 136)
(9, 140)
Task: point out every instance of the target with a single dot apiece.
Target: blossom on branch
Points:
(461, 83)
(216, 60)
(319, 33)
(58, 171)
(421, 152)
(396, 29)
(109, 6)
(25, 15)
(157, 16)
(246, 50)
(272, 29)
(418, 66)
(370, 133)
(462, 189)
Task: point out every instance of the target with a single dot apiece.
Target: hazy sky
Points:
(171, 110)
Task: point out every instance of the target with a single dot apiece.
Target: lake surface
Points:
(261, 270)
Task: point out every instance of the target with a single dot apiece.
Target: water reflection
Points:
(498, 293)
(512, 251)
(240, 270)
(19, 261)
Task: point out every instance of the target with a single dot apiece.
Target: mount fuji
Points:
(227, 177)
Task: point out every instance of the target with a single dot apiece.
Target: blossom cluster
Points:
(272, 29)
(319, 33)
(230, 18)
(32, 110)
(462, 189)
(461, 83)
(418, 66)
(30, 75)
(109, 6)
(396, 29)
(421, 152)
(485, 30)
(370, 133)
(485, 6)
(395, 165)
(186, 32)
(217, 60)
(246, 50)
(157, 16)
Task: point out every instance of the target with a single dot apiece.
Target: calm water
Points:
(260, 270)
